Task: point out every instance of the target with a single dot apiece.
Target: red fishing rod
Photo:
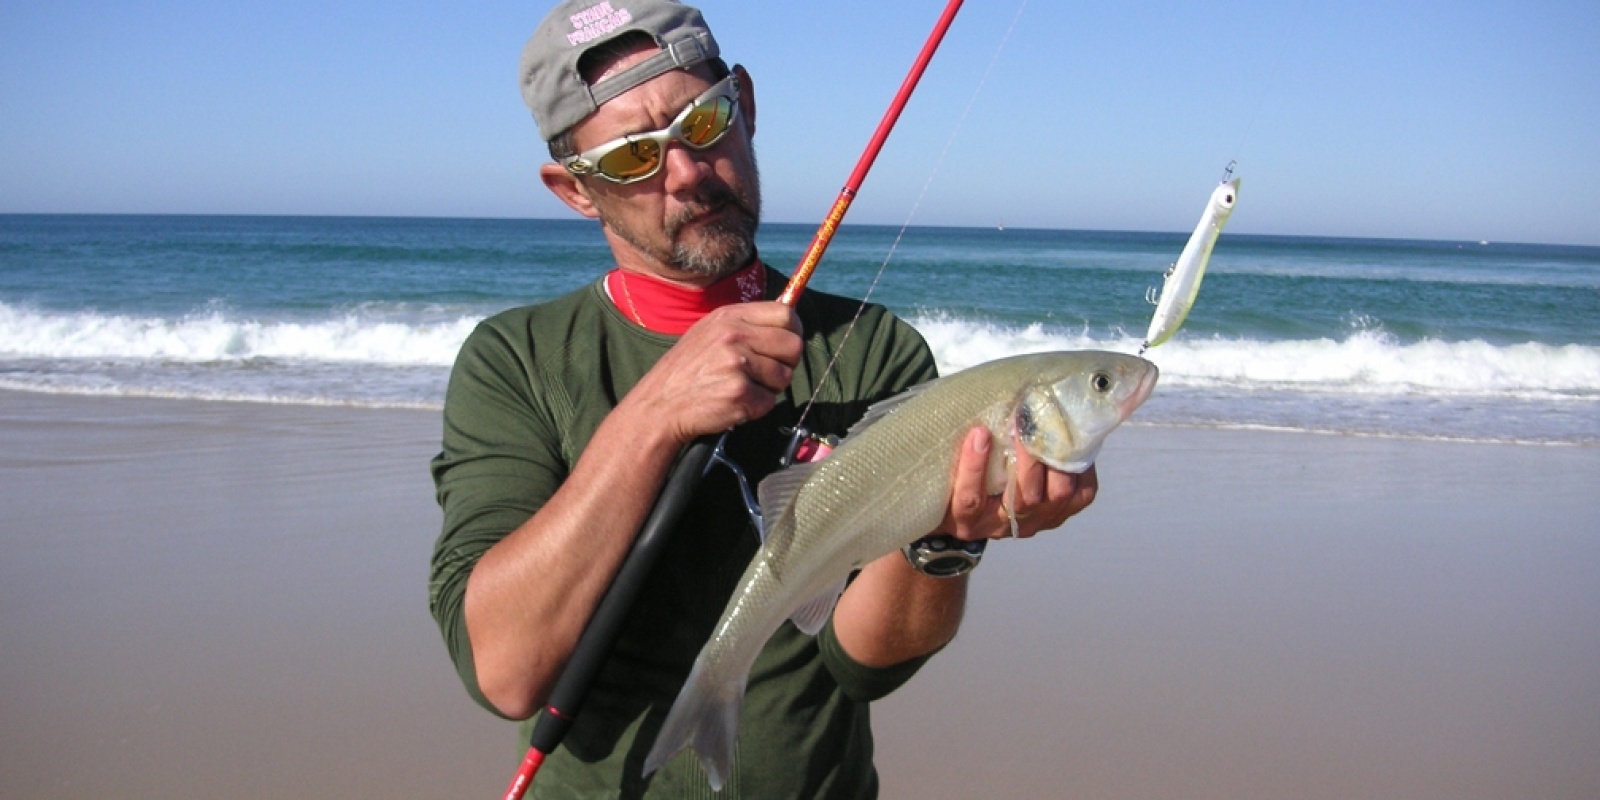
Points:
(594, 645)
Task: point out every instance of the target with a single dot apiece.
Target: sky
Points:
(1463, 120)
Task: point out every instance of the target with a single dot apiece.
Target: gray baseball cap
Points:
(551, 84)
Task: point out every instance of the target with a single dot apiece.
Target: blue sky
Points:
(1445, 120)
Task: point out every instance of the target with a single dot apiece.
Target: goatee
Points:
(720, 245)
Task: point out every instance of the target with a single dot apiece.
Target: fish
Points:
(1182, 282)
(886, 485)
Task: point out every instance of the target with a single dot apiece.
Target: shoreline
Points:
(437, 407)
(229, 599)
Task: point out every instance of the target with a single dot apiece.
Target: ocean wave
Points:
(1366, 362)
(1367, 382)
(356, 336)
(211, 395)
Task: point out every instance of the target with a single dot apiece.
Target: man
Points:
(563, 419)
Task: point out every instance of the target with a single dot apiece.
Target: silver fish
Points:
(1182, 283)
(887, 485)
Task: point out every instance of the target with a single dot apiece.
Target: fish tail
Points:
(705, 717)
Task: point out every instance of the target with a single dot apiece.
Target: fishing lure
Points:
(1182, 282)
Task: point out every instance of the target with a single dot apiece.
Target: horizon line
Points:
(580, 221)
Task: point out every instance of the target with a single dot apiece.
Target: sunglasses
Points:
(638, 156)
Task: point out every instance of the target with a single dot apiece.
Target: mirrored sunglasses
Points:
(638, 156)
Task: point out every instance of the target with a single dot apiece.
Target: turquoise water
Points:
(1471, 340)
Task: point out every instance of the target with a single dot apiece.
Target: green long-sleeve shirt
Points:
(529, 388)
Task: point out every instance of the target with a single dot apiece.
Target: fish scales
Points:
(888, 484)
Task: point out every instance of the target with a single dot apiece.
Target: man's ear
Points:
(747, 97)
(566, 187)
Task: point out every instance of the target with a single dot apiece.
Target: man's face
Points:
(696, 218)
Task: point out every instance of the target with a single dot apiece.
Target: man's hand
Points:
(727, 369)
(892, 612)
(1041, 498)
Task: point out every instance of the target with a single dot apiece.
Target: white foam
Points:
(1367, 383)
(351, 337)
(1365, 363)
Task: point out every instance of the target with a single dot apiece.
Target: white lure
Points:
(1182, 283)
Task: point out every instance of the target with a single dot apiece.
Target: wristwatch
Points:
(944, 556)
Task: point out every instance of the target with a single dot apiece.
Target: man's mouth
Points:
(716, 212)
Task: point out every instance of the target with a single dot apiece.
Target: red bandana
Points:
(669, 308)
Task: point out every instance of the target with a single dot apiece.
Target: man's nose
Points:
(684, 168)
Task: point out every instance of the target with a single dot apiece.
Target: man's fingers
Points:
(1040, 498)
(728, 369)
(770, 329)
(767, 314)
(770, 373)
(1084, 489)
(967, 497)
(1030, 489)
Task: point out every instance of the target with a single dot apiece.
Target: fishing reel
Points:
(805, 446)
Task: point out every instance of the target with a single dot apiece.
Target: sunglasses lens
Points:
(706, 122)
(701, 126)
(632, 161)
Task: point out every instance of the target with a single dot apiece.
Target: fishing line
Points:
(916, 204)
(1277, 59)
(1185, 274)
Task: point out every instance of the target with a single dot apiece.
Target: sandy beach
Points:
(228, 600)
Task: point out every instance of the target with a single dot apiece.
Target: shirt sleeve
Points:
(858, 681)
(500, 463)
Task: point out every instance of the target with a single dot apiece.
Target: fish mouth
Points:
(1141, 392)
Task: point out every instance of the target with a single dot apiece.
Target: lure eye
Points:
(1100, 382)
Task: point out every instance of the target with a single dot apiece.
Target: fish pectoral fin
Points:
(810, 617)
(776, 491)
(776, 496)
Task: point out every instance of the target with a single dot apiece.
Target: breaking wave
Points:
(1367, 382)
(362, 336)
(1366, 362)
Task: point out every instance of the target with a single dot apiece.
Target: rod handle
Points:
(594, 645)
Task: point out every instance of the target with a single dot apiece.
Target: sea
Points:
(1457, 340)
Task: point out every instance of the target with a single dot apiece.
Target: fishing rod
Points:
(594, 644)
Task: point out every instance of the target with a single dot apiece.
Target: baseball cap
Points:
(554, 89)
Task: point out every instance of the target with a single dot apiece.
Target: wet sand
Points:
(1270, 615)
(228, 600)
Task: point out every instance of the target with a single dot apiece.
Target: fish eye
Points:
(1101, 382)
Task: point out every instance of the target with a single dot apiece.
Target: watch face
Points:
(944, 556)
(948, 566)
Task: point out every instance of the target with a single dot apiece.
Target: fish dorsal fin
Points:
(810, 617)
(881, 409)
(776, 493)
